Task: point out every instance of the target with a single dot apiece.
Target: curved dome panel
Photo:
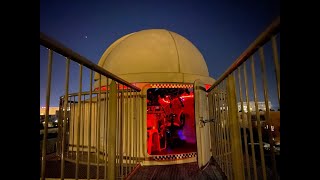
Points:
(155, 55)
(191, 60)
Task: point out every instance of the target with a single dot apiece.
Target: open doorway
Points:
(170, 121)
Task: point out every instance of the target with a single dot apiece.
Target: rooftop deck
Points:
(178, 171)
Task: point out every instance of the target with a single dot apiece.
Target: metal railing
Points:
(96, 128)
(242, 131)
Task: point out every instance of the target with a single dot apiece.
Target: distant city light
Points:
(252, 106)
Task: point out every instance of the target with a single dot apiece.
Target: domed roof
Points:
(155, 55)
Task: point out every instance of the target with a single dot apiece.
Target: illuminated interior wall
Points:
(162, 105)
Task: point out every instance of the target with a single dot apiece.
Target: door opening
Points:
(170, 121)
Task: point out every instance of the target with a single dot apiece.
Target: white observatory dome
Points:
(155, 55)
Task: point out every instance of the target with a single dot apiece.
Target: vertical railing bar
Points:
(45, 133)
(116, 129)
(94, 127)
(228, 134)
(119, 129)
(103, 98)
(223, 96)
(78, 127)
(98, 127)
(229, 139)
(136, 123)
(241, 157)
(69, 119)
(112, 130)
(127, 130)
(67, 131)
(228, 130)
(277, 65)
(131, 130)
(121, 134)
(89, 127)
(224, 135)
(70, 128)
(123, 116)
(210, 104)
(60, 128)
(214, 119)
(258, 120)
(104, 145)
(132, 125)
(117, 126)
(84, 116)
(250, 120)
(135, 126)
(65, 119)
(213, 124)
(223, 130)
(210, 117)
(107, 131)
(73, 125)
(219, 132)
(118, 141)
(227, 150)
(266, 100)
(216, 125)
(102, 132)
(235, 131)
(108, 118)
(138, 126)
(244, 125)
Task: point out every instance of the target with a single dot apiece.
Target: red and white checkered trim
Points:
(171, 85)
(174, 156)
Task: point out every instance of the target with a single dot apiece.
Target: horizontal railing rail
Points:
(67, 52)
(260, 41)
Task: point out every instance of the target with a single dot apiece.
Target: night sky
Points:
(221, 30)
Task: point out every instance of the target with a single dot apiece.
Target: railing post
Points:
(236, 148)
(45, 133)
(59, 138)
(112, 131)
